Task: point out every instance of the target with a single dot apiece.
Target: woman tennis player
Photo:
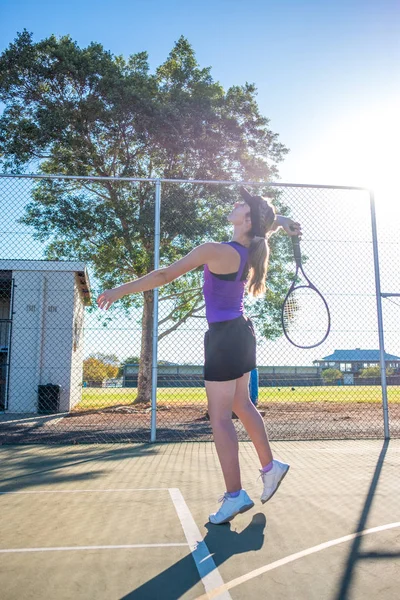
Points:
(229, 344)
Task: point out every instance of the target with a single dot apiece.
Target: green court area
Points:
(98, 398)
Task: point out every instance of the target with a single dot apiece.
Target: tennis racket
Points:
(306, 320)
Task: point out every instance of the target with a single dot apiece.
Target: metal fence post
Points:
(380, 319)
(154, 368)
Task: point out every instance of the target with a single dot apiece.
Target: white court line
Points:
(86, 491)
(68, 548)
(205, 564)
(222, 589)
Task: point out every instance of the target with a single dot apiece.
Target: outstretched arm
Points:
(197, 257)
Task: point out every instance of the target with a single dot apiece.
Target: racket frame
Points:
(294, 286)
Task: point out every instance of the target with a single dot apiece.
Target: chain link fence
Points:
(70, 373)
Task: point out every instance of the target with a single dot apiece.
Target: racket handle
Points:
(296, 249)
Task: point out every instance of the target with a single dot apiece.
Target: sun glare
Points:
(365, 151)
(361, 149)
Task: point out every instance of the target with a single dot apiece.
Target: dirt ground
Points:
(297, 421)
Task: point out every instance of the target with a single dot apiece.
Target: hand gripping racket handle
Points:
(296, 250)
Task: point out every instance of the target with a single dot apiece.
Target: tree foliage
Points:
(331, 375)
(85, 112)
(97, 370)
(374, 372)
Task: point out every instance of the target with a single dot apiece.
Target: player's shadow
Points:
(222, 543)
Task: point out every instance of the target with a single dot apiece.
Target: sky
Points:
(327, 73)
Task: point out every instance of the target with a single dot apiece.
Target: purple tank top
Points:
(223, 298)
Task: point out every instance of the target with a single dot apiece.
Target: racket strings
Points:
(305, 317)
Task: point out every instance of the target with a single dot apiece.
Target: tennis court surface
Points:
(131, 522)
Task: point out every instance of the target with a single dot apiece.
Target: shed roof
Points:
(79, 268)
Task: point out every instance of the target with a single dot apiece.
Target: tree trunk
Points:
(145, 363)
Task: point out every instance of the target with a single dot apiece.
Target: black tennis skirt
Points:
(229, 349)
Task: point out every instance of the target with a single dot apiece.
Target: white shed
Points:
(41, 326)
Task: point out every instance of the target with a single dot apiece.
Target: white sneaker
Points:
(273, 479)
(231, 507)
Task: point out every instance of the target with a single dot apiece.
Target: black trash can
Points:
(48, 399)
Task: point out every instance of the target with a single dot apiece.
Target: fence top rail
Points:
(203, 181)
(389, 294)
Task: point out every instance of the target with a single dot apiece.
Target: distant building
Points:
(351, 362)
(168, 375)
(172, 375)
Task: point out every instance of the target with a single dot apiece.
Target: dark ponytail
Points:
(258, 263)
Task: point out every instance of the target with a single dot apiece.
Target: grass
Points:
(96, 398)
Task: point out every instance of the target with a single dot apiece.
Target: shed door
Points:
(3, 379)
(6, 299)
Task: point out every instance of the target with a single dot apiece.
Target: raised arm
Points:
(196, 258)
(291, 227)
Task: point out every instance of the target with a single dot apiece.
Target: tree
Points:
(331, 375)
(84, 111)
(97, 371)
(370, 372)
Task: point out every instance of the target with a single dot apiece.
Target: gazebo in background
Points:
(351, 362)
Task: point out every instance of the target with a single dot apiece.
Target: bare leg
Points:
(252, 420)
(220, 396)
